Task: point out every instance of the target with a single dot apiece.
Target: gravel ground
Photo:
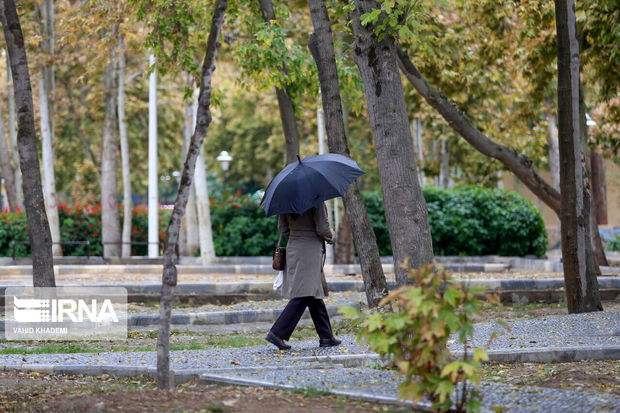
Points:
(589, 329)
(385, 383)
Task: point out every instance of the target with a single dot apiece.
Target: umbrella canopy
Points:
(308, 182)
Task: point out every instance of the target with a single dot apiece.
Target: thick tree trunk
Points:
(38, 226)
(405, 208)
(13, 134)
(169, 277)
(285, 103)
(321, 46)
(581, 285)
(344, 252)
(190, 220)
(7, 168)
(519, 164)
(110, 221)
(125, 164)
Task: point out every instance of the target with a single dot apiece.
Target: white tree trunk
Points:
(49, 184)
(190, 223)
(153, 217)
(418, 145)
(122, 129)
(205, 235)
(110, 220)
(6, 169)
(554, 151)
(13, 135)
(444, 166)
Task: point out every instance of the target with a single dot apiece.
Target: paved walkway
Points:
(352, 369)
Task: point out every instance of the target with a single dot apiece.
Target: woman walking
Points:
(303, 276)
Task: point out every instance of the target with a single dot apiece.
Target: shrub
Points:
(412, 328)
(472, 221)
(614, 244)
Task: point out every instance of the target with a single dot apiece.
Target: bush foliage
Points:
(472, 221)
(464, 221)
(411, 329)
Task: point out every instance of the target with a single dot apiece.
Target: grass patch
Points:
(47, 350)
(311, 392)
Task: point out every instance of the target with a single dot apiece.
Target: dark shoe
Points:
(277, 341)
(329, 342)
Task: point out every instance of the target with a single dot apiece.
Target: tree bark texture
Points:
(519, 164)
(321, 46)
(444, 164)
(285, 103)
(405, 207)
(110, 220)
(203, 119)
(581, 285)
(7, 168)
(13, 134)
(553, 151)
(124, 144)
(38, 226)
(416, 129)
(344, 252)
(599, 186)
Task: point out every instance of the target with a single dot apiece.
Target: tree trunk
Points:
(191, 223)
(205, 236)
(519, 164)
(321, 46)
(581, 285)
(285, 103)
(46, 108)
(38, 226)
(153, 188)
(344, 252)
(444, 164)
(79, 130)
(599, 185)
(169, 277)
(405, 208)
(17, 175)
(418, 143)
(554, 151)
(125, 164)
(6, 168)
(110, 221)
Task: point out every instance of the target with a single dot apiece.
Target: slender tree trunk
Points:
(110, 220)
(554, 151)
(599, 185)
(405, 208)
(321, 46)
(344, 252)
(416, 129)
(205, 236)
(169, 277)
(285, 103)
(519, 164)
(13, 135)
(125, 164)
(79, 130)
(6, 168)
(46, 108)
(190, 219)
(581, 285)
(444, 165)
(38, 226)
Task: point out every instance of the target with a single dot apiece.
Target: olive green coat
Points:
(304, 252)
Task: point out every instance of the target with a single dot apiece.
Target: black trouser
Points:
(286, 323)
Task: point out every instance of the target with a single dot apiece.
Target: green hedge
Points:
(472, 221)
(464, 221)
(77, 223)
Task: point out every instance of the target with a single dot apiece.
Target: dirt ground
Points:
(584, 376)
(33, 392)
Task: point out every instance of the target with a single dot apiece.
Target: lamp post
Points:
(224, 158)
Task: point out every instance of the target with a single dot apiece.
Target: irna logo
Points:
(32, 310)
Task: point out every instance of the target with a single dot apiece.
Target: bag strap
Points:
(279, 239)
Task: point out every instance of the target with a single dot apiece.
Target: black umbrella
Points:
(308, 182)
